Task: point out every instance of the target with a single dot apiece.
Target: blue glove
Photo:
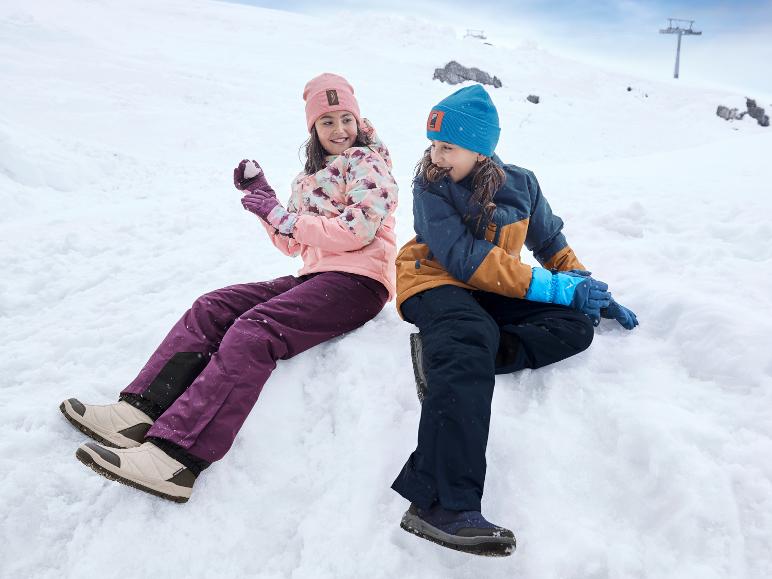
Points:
(576, 289)
(626, 318)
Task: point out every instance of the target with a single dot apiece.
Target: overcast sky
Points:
(734, 51)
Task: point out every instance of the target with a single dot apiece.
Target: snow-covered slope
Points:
(120, 122)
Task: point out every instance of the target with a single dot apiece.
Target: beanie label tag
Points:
(434, 122)
(332, 97)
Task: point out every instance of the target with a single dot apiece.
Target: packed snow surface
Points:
(120, 122)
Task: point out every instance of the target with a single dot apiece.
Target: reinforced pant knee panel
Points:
(175, 377)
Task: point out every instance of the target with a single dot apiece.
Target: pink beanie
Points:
(328, 93)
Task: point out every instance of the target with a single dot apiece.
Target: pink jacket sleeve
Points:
(287, 245)
(371, 196)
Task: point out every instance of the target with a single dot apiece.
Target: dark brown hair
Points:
(315, 153)
(487, 178)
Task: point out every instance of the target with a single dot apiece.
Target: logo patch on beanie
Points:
(434, 122)
(332, 97)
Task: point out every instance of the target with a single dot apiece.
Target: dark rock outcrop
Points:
(455, 73)
(728, 114)
(755, 112)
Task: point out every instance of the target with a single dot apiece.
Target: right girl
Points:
(480, 311)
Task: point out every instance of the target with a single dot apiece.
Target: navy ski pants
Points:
(468, 337)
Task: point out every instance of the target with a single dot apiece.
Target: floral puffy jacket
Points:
(345, 215)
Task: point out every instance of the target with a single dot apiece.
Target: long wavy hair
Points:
(487, 178)
(315, 153)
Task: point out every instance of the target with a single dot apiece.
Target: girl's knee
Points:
(213, 308)
(467, 333)
(582, 332)
(208, 300)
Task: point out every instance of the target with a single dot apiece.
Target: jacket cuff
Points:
(542, 287)
(282, 220)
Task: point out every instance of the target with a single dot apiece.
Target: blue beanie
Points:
(467, 118)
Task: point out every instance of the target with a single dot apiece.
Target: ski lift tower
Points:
(680, 31)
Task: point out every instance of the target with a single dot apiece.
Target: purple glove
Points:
(265, 205)
(261, 198)
(260, 202)
(249, 176)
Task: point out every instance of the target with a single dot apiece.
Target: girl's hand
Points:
(260, 202)
(626, 318)
(249, 176)
(264, 204)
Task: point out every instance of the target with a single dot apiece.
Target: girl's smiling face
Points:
(337, 131)
(460, 161)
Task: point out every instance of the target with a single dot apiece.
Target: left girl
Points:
(187, 404)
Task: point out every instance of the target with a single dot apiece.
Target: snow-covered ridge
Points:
(120, 122)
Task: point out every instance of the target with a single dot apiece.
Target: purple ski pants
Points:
(209, 370)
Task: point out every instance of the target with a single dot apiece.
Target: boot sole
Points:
(416, 355)
(90, 461)
(90, 433)
(483, 546)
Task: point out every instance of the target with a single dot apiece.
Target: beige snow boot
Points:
(145, 467)
(118, 425)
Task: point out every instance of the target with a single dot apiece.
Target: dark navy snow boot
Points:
(416, 354)
(466, 531)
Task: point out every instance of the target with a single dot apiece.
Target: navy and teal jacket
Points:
(455, 245)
